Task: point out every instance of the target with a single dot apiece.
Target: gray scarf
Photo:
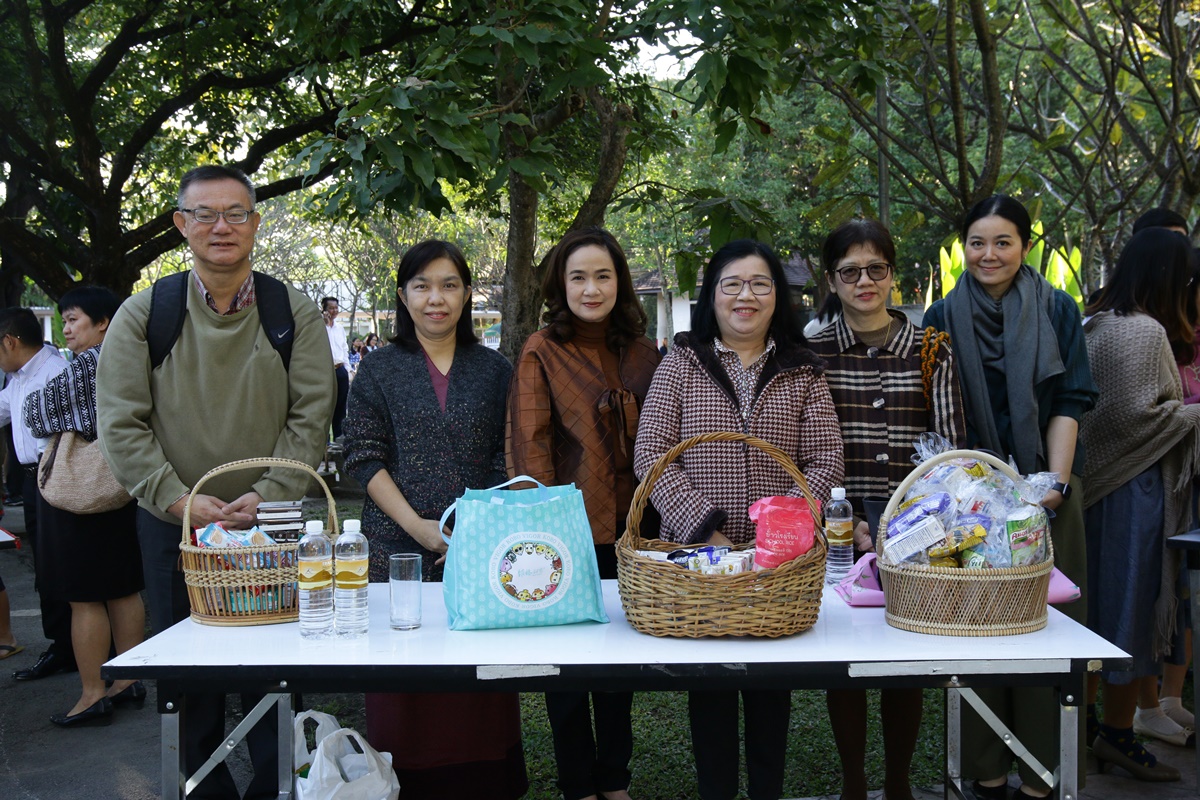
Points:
(1013, 335)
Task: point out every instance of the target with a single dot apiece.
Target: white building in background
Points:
(672, 312)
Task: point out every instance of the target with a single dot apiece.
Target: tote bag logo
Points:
(530, 570)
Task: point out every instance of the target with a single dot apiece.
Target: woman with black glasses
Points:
(890, 382)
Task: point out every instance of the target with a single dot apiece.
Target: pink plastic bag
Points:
(861, 585)
(783, 530)
(1062, 588)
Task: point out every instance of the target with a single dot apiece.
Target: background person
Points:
(573, 412)
(341, 360)
(426, 421)
(743, 367)
(224, 372)
(886, 395)
(30, 363)
(93, 560)
(1022, 361)
(1142, 448)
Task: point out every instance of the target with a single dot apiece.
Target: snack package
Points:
(784, 529)
(912, 541)
(1027, 529)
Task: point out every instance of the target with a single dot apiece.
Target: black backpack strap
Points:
(168, 307)
(275, 313)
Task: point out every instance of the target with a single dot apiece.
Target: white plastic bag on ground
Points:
(301, 756)
(345, 767)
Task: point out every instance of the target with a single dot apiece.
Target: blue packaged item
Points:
(521, 558)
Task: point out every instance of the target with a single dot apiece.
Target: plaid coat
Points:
(710, 486)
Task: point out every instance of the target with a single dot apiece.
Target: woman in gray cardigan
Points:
(425, 421)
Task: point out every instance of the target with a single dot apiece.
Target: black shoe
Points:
(98, 713)
(14, 501)
(132, 695)
(982, 792)
(47, 664)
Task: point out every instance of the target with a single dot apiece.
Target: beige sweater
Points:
(222, 394)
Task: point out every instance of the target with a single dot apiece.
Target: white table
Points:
(847, 647)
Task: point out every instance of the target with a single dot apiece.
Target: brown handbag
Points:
(73, 476)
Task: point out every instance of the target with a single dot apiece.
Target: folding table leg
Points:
(1014, 744)
(953, 783)
(284, 710)
(1068, 737)
(231, 741)
(172, 755)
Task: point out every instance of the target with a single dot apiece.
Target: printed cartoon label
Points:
(530, 570)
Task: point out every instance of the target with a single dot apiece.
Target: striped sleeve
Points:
(946, 411)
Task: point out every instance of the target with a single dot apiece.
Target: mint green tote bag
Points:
(521, 558)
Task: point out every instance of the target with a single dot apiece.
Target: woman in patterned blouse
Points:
(743, 367)
(890, 382)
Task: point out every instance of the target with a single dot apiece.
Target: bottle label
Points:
(839, 532)
(352, 573)
(316, 574)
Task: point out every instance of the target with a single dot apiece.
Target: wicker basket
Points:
(662, 599)
(963, 602)
(233, 586)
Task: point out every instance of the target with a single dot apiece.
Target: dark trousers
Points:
(714, 722)
(56, 611)
(343, 391)
(587, 766)
(204, 720)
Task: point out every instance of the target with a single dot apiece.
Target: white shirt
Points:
(337, 344)
(28, 379)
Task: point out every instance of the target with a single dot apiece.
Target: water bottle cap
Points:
(352, 526)
(839, 493)
(314, 526)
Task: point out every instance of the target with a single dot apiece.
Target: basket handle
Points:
(251, 463)
(641, 495)
(906, 484)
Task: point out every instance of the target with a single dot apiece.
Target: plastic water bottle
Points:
(839, 530)
(316, 582)
(350, 581)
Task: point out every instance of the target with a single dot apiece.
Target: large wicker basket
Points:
(234, 586)
(963, 602)
(662, 599)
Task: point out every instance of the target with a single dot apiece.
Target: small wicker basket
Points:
(233, 586)
(963, 602)
(662, 599)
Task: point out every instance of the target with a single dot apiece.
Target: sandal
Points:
(7, 650)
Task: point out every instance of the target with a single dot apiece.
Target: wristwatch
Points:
(1062, 488)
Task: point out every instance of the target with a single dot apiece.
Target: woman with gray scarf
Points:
(1022, 359)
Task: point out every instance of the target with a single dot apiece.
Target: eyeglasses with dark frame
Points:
(758, 286)
(207, 216)
(875, 272)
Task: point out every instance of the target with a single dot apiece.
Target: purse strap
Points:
(519, 479)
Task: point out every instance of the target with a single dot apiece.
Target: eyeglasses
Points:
(875, 272)
(758, 286)
(208, 216)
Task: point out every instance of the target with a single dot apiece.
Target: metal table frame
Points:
(846, 648)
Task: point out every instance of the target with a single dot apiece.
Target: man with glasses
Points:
(223, 392)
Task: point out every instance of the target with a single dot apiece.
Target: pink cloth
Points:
(1189, 374)
(441, 383)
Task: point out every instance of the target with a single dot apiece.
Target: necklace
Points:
(868, 337)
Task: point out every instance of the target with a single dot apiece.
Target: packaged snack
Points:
(913, 540)
(1027, 529)
(969, 530)
(784, 529)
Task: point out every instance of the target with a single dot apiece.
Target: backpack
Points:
(168, 307)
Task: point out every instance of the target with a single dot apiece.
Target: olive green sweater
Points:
(222, 394)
